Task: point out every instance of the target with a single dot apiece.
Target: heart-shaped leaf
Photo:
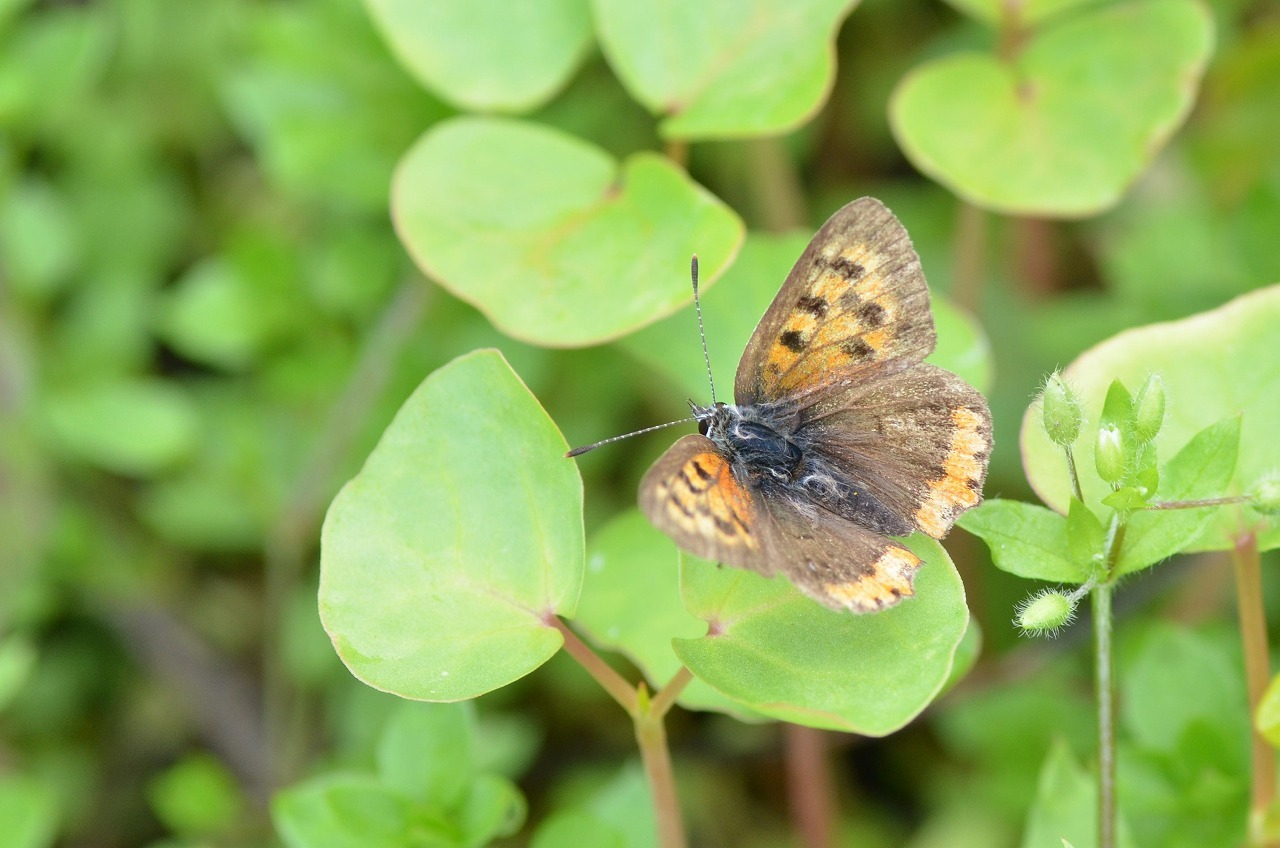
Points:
(487, 55)
(548, 237)
(724, 68)
(1070, 122)
(786, 656)
(442, 560)
(1214, 365)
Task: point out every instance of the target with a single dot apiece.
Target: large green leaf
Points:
(548, 237)
(1216, 364)
(724, 68)
(488, 55)
(784, 655)
(442, 561)
(1070, 122)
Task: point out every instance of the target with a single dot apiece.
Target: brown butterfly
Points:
(841, 437)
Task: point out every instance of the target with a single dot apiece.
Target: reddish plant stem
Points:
(1196, 504)
(647, 715)
(970, 256)
(1257, 671)
(809, 789)
(612, 682)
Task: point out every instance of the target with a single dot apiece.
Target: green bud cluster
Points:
(1264, 495)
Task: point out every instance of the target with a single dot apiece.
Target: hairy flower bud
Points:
(1061, 408)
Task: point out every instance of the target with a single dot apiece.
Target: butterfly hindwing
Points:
(692, 495)
(918, 440)
(856, 300)
(840, 564)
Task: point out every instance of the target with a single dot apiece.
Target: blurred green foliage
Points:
(207, 320)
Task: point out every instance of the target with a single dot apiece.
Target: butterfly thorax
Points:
(756, 439)
(768, 452)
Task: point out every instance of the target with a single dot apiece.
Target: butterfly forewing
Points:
(692, 495)
(855, 300)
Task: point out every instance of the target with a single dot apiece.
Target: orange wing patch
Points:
(704, 498)
(848, 315)
(889, 580)
(959, 487)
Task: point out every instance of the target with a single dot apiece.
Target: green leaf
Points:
(197, 797)
(1026, 539)
(354, 811)
(49, 64)
(424, 752)
(324, 107)
(1070, 122)
(493, 808)
(701, 64)
(138, 427)
(576, 829)
(37, 238)
(491, 55)
(735, 305)
(1029, 12)
(1066, 806)
(627, 559)
(443, 559)
(784, 655)
(1201, 469)
(1216, 364)
(1086, 537)
(28, 815)
(548, 237)
(1125, 499)
(1175, 678)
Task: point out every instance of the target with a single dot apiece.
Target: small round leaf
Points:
(1068, 124)
(548, 237)
(726, 68)
(488, 55)
(442, 560)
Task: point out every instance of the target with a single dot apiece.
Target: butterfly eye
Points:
(704, 425)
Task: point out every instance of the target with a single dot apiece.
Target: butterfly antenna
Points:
(697, 305)
(585, 448)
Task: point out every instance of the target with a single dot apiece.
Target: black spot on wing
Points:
(793, 341)
(872, 314)
(814, 305)
(858, 349)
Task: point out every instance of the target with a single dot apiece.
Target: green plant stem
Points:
(665, 699)
(1075, 475)
(1196, 504)
(651, 735)
(1104, 685)
(1257, 670)
(612, 682)
(1101, 597)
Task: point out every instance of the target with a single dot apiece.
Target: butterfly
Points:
(840, 437)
